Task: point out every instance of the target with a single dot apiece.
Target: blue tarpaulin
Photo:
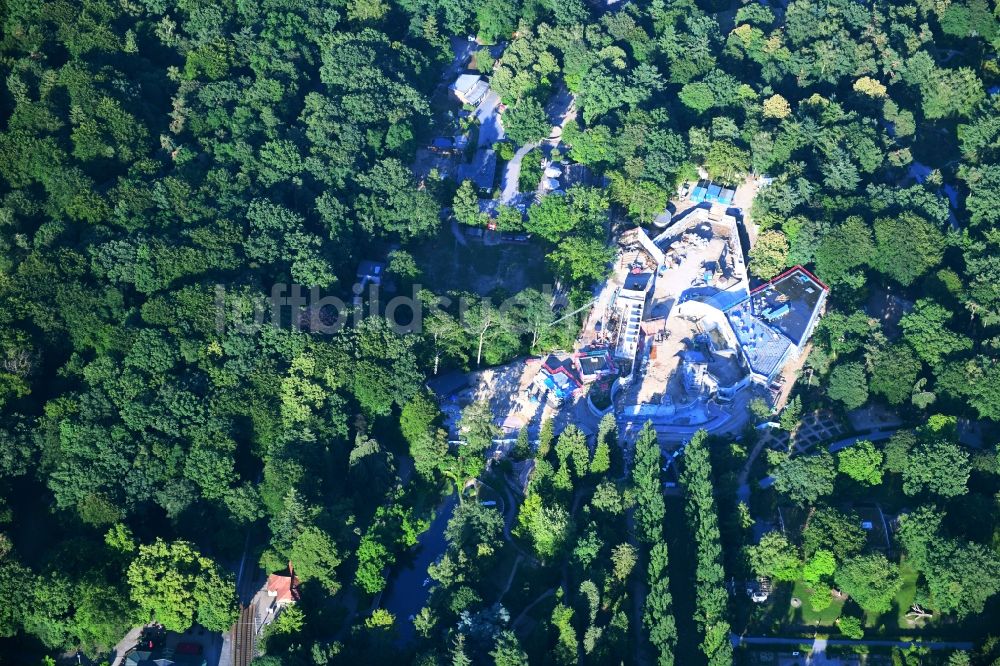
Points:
(776, 313)
(712, 193)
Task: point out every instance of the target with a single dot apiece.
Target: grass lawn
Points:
(904, 598)
(806, 615)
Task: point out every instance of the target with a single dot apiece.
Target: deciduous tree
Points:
(925, 328)
(775, 557)
(769, 255)
(806, 478)
(176, 585)
(848, 384)
(862, 462)
(938, 466)
(526, 122)
(871, 580)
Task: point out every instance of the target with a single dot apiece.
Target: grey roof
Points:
(800, 292)
(637, 281)
(775, 318)
(471, 87)
(764, 348)
(478, 92)
(465, 82)
(591, 365)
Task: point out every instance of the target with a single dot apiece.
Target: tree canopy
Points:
(178, 586)
(192, 194)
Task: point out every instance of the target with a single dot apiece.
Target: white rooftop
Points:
(466, 82)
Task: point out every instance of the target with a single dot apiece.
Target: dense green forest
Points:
(165, 163)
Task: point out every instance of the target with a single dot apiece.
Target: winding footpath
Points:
(527, 609)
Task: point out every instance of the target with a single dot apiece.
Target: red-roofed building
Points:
(558, 378)
(283, 589)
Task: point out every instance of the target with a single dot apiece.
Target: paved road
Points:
(406, 592)
(511, 510)
(779, 640)
(125, 644)
(743, 488)
(457, 233)
(851, 441)
(490, 126)
(511, 175)
(818, 652)
(561, 109)
(463, 49)
(578, 414)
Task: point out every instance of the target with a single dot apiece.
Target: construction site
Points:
(675, 337)
(693, 343)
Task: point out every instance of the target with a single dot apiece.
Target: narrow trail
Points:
(510, 578)
(742, 489)
(508, 519)
(527, 609)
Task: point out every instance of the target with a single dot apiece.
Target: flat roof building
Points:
(776, 319)
(631, 303)
(637, 281)
(719, 343)
(595, 363)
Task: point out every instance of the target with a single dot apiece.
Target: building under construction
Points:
(694, 343)
(775, 320)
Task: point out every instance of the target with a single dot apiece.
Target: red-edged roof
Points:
(790, 271)
(560, 369)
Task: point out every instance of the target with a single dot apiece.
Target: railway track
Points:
(244, 637)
